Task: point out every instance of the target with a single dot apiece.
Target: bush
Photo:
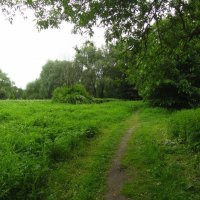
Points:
(3, 94)
(75, 94)
(186, 126)
(104, 100)
(178, 95)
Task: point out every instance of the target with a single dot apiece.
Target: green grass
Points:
(58, 151)
(185, 125)
(87, 172)
(160, 167)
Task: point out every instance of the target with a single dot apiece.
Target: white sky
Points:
(24, 50)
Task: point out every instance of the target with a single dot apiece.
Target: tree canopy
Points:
(125, 19)
(168, 71)
(160, 40)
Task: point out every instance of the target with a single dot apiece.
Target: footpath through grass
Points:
(87, 171)
(58, 151)
(160, 162)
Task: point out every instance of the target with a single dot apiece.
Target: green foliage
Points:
(33, 90)
(167, 72)
(161, 40)
(75, 94)
(7, 88)
(101, 71)
(54, 74)
(129, 20)
(115, 82)
(3, 94)
(37, 135)
(186, 127)
(105, 73)
(158, 166)
(90, 60)
(99, 100)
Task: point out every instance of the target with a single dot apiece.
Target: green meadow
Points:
(118, 118)
(37, 137)
(62, 151)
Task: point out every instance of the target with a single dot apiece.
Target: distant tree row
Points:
(100, 71)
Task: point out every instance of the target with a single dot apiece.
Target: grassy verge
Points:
(160, 167)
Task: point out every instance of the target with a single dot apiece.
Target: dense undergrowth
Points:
(185, 125)
(38, 135)
(163, 158)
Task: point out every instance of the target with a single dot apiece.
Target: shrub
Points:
(100, 100)
(186, 126)
(91, 131)
(64, 145)
(178, 95)
(3, 94)
(75, 94)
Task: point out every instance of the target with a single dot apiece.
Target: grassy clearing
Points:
(57, 151)
(160, 167)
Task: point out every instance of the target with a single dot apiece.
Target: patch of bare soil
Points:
(117, 175)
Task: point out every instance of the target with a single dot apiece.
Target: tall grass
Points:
(159, 166)
(35, 135)
(185, 125)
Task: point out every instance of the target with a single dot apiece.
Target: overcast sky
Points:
(24, 50)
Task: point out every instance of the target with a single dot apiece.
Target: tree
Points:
(89, 59)
(18, 93)
(54, 74)
(104, 71)
(167, 72)
(118, 61)
(7, 88)
(33, 90)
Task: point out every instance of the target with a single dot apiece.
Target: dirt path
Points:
(117, 176)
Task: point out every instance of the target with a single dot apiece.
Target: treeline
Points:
(100, 71)
(155, 52)
(160, 59)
